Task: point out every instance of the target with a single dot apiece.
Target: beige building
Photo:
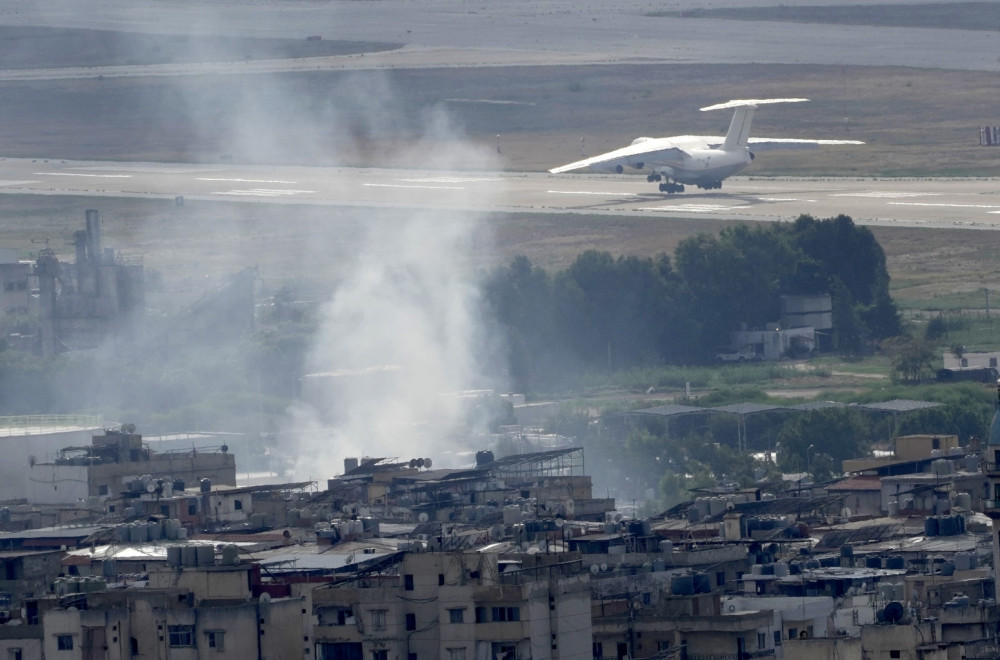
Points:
(459, 606)
(116, 464)
(185, 613)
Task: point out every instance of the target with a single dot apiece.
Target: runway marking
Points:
(886, 194)
(203, 178)
(263, 192)
(951, 206)
(588, 192)
(450, 179)
(100, 176)
(780, 199)
(399, 185)
(695, 208)
(17, 183)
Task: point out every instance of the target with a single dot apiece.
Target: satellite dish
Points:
(560, 522)
(730, 505)
(151, 487)
(594, 568)
(349, 559)
(604, 568)
(265, 597)
(422, 517)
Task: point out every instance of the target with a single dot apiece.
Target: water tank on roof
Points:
(230, 554)
(205, 555)
(682, 585)
(931, 526)
(702, 583)
(137, 533)
(206, 485)
(873, 561)
(964, 500)
(947, 526)
(174, 555)
(189, 555)
(895, 562)
(179, 485)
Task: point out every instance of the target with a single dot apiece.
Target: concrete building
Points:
(116, 468)
(99, 298)
(29, 439)
(459, 606)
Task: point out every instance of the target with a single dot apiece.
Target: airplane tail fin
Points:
(739, 129)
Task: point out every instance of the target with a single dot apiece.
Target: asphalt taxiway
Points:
(972, 203)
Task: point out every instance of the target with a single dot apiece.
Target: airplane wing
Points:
(775, 144)
(639, 153)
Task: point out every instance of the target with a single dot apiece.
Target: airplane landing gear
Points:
(671, 188)
(711, 185)
(654, 177)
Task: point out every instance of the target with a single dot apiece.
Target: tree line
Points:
(608, 313)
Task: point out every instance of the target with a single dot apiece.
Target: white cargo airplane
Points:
(699, 160)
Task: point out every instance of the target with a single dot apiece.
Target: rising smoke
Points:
(402, 335)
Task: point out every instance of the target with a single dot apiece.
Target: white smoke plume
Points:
(402, 334)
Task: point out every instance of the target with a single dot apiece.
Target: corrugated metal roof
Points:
(747, 408)
(670, 410)
(899, 405)
(817, 405)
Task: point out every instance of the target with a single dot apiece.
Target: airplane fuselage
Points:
(705, 166)
(699, 160)
(686, 159)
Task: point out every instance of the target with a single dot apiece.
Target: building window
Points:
(504, 651)
(761, 640)
(793, 633)
(64, 642)
(180, 636)
(14, 654)
(598, 650)
(382, 654)
(238, 505)
(411, 621)
(102, 489)
(378, 619)
(720, 579)
(506, 613)
(408, 582)
(456, 616)
(663, 646)
(777, 638)
(440, 579)
(192, 507)
(216, 639)
(481, 615)
(895, 654)
(456, 654)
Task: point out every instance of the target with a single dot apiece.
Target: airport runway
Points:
(941, 203)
